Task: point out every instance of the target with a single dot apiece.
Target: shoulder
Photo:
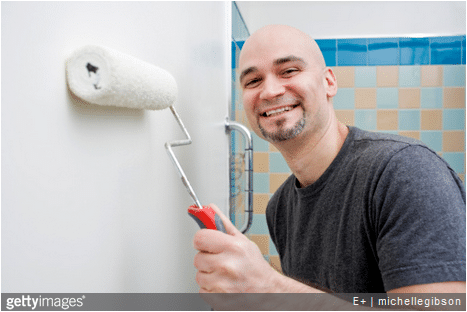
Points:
(383, 152)
(375, 143)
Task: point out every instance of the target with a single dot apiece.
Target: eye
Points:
(252, 83)
(289, 72)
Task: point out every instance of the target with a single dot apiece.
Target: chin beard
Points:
(282, 134)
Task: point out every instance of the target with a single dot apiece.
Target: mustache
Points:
(282, 100)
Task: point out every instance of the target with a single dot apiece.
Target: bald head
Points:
(282, 39)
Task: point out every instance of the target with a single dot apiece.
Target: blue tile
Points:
(463, 50)
(365, 119)
(272, 248)
(277, 163)
(261, 182)
(454, 119)
(409, 76)
(344, 99)
(409, 119)
(351, 52)
(433, 139)
(414, 51)
(234, 48)
(454, 76)
(456, 161)
(383, 51)
(431, 97)
(259, 144)
(329, 50)
(365, 76)
(446, 50)
(259, 225)
(387, 98)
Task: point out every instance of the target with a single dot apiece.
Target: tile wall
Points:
(408, 86)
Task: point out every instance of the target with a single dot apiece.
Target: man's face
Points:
(283, 86)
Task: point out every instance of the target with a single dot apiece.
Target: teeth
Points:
(278, 111)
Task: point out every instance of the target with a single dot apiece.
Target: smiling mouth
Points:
(278, 111)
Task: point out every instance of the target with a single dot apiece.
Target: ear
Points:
(331, 83)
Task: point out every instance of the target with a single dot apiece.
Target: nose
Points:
(272, 88)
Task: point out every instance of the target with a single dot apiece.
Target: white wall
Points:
(359, 19)
(90, 199)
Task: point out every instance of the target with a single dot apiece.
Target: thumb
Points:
(229, 227)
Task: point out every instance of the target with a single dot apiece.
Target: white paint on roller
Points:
(103, 76)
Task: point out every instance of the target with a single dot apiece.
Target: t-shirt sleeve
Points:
(419, 220)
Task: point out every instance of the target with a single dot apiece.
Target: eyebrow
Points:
(279, 61)
(290, 58)
(247, 71)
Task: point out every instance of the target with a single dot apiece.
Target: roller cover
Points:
(103, 76)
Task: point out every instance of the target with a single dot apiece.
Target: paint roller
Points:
(103, 76)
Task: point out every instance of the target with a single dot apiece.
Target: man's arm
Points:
(234, 264)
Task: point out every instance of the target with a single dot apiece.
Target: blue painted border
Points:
(449, 50)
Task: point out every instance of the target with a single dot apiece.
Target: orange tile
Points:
(431, 119)
(345, 76)
(239, 206)
(365, 98)
(272, 148)
(387, 119)
(275, 262)
(347, 117)
(431, 76)
(453, 141)
(462, 177)
(409, 98)
(387, 76)
(410, 134)
(260, 162)
(454, 97)
(262, 241)
(276, 180)
(260, 202)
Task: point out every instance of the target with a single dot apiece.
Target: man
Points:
(362, 212)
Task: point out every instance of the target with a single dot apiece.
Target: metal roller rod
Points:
(169, 145)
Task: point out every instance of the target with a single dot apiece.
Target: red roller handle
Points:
(206, 218)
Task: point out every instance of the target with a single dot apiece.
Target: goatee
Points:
(282, 134)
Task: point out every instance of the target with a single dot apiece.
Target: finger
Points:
(204, 262)
(229, 227)
(204, 281)
(210, 241)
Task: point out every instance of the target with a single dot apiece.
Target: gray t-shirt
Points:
(388, 212)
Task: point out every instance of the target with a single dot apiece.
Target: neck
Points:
(309, 159)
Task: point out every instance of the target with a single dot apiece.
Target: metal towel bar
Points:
(232, 125)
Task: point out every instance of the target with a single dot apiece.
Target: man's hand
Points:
(230, 263)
